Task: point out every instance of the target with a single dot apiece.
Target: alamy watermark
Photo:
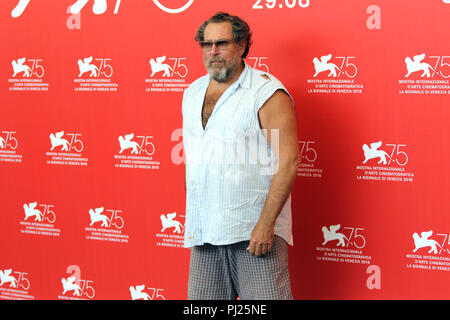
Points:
(257, 148)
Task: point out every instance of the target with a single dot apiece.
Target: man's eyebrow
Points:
(220, 39)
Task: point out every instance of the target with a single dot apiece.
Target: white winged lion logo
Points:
(323, 65)
(423, 242)
(158, 66)
(330, 235)
(138, 293)
(19, 66)
(58, 140)
(170, 222)
(373, 152)
(96, 215)
(69, 285)
(6, 277)
(126, 143)
(415, 64)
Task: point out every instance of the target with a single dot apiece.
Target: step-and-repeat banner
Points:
(91, 154)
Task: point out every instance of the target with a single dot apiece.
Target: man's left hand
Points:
(261, 239)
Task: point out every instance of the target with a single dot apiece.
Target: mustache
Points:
(216, 59)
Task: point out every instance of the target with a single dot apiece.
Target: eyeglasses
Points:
(220, 45)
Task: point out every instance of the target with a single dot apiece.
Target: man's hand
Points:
(261, 238)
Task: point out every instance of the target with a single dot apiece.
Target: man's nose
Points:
(214, 49)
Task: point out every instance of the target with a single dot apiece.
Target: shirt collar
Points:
(245, 77)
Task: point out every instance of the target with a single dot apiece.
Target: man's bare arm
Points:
(277, 113)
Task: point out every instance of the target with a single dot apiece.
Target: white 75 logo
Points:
(177, 65)
(146, 146)
(48, 214)
(105, 66)
(347, 66)
(114, 218)
(307, 152)
(395, 156)
(155, 294)
(258, 64)
(440, 64)
(444, 243)
(75, 142)
(356, 237)
(8, 140)
(22, 281)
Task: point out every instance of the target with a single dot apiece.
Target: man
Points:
(238, 211)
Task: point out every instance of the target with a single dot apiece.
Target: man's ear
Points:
(242, 46)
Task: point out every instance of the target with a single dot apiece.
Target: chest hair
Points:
(211, 98)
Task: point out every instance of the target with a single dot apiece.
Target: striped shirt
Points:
(230, 163)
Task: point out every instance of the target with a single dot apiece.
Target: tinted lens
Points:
(222, 44)
(206, 45)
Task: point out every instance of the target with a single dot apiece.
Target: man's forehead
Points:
(219, 30)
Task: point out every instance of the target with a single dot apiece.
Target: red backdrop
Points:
(84, 201)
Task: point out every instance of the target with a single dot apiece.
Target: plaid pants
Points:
(229, 271)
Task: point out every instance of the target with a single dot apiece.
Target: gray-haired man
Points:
(238, 216)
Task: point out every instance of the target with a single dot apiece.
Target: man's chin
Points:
(218, 75)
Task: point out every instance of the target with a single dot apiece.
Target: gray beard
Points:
(223, 74)
(220, 76)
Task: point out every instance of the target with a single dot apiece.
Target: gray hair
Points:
(239, 28)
